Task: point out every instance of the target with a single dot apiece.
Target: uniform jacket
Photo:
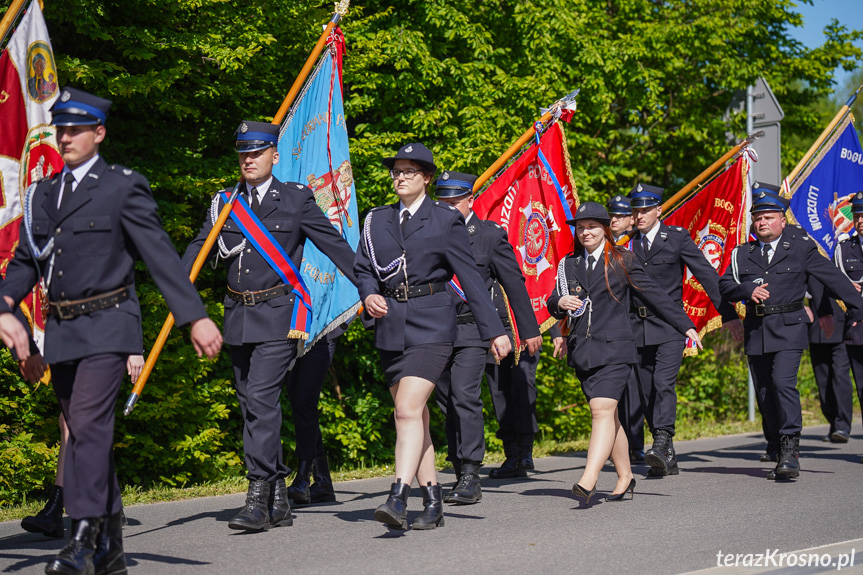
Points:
(289, 212)
(497, 267)
(671, 252)
(796, 260)
(849, 254)
(821, 305)
(611, 337)
(109, 220)
(436, 246)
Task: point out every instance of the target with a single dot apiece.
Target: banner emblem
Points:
(41, 72)
(534, 239)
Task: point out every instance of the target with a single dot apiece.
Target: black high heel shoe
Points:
(619, 496)
(580, 491)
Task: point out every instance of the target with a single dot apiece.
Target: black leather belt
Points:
(644, 311)
(762, 310)
(404, 293)
(68, 309)
(466, 318)
(250, 298)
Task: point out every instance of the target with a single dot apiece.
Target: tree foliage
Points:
(466, 78)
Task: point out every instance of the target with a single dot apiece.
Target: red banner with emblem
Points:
(526, 200)
(28, 147)
(715, 218)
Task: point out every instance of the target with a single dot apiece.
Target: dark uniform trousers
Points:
(830, 364)
(660, 346)
(258, 335)
(110, 219)
(458, 392)
(849, 255)
(630, 412)
(513, 394)
(304, 384)
(774, 342)
(855, 355)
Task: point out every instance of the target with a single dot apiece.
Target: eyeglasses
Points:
(408, 174)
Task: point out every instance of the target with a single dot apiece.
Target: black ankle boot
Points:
(432, 515)
(280, 505)
(255, 516)
(76, 558)
(109, 558)
(468, 489)
(525, 452)
(299, 489)
(509, 468)
(394, 512)
(49, 521)
(662, 462)
(789, 458)
(321, 490)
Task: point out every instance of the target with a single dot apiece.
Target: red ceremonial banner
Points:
(525, 200)
(715, 218)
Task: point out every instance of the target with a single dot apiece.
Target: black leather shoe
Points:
(771, 475)
(620, 496)
(789, 458)
(432, 515)
(280, 505)
(394, 512)
(840, 436)
(49, 521)
(109, 558)
(299, 491)
(255, 516)
(509, 468)
(525, 452)
(636, 456)
(580, 491)
(76, 558)
(661, 457)
(321, 490)
(468, 489)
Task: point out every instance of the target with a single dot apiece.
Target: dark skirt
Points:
(605, 381)
(426, 361)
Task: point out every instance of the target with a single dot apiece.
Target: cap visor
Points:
(73, 120)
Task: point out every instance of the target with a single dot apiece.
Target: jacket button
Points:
(62, 294)
(247, 271)
(57, 231)
(92, 223)
(59, 251)
(277, 226)
(60, 274)
(248, 250)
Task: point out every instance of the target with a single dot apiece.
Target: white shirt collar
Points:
(413, 209)
(469, 216)
(597, 253)
(79, 172)
(262, 188)
(651, 235)
(773, 244)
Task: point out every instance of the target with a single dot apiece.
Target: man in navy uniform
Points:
(459, 389)
(259, 309)
(849, 259)
(665, 252)
(82, 232)
(630, 411)
(771, 273)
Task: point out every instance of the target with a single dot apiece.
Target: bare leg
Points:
(61, 457)
(620, 457)
(426, 472)
(603, 411)
(413, 442)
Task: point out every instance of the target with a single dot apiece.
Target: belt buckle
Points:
(402, 293)
(759, 310)
(642, 312)
(248, 298)
(63, 312)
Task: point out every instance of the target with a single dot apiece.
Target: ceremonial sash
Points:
(275, 254)
(453, 283)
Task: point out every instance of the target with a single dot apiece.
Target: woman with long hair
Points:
(592, 293)
(408, 252)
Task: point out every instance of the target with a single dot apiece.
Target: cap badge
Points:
(581, 209)
(618, 199)
(762, 195)
(300, 186)
(127, 171)
(639, 188)
(445, 175)
(756, 185)
(244, 128)
(859, 196)
(65, 96)
(409, 149)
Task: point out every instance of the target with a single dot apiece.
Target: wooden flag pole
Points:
(341, 10)
(10, 16)
(843, 111)
(671, 203)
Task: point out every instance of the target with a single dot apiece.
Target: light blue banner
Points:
(313, 150)
(822, 202)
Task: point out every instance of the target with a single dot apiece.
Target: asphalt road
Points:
(719, 505)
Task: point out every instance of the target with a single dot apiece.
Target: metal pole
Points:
(750, 121)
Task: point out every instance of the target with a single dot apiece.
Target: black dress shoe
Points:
(432, 515)
(394, 511)
(509, 468)
(580, 491)
(49, 521)
(109, 558)
(839, 436)
(299, 491)
(636, 456)
(789, 458)
(321, 490)
(280, 505)
(468, 489)
(769, 456)
(255, 516)
(620, 496)
(76, 558)
(525, 452)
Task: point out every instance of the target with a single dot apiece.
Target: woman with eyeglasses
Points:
(408, 252)
(592, 292)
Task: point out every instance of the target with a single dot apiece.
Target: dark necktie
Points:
(67, 191)
(406, 216)
(765, 253)
(590, 261)
(256, 203)
(645, 245)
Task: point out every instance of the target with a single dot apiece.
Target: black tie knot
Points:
(254, 201)
(406, 216)
(66, 192)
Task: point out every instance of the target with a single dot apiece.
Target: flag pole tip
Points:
(130, 403)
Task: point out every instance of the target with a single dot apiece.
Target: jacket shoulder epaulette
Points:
(117, 168)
